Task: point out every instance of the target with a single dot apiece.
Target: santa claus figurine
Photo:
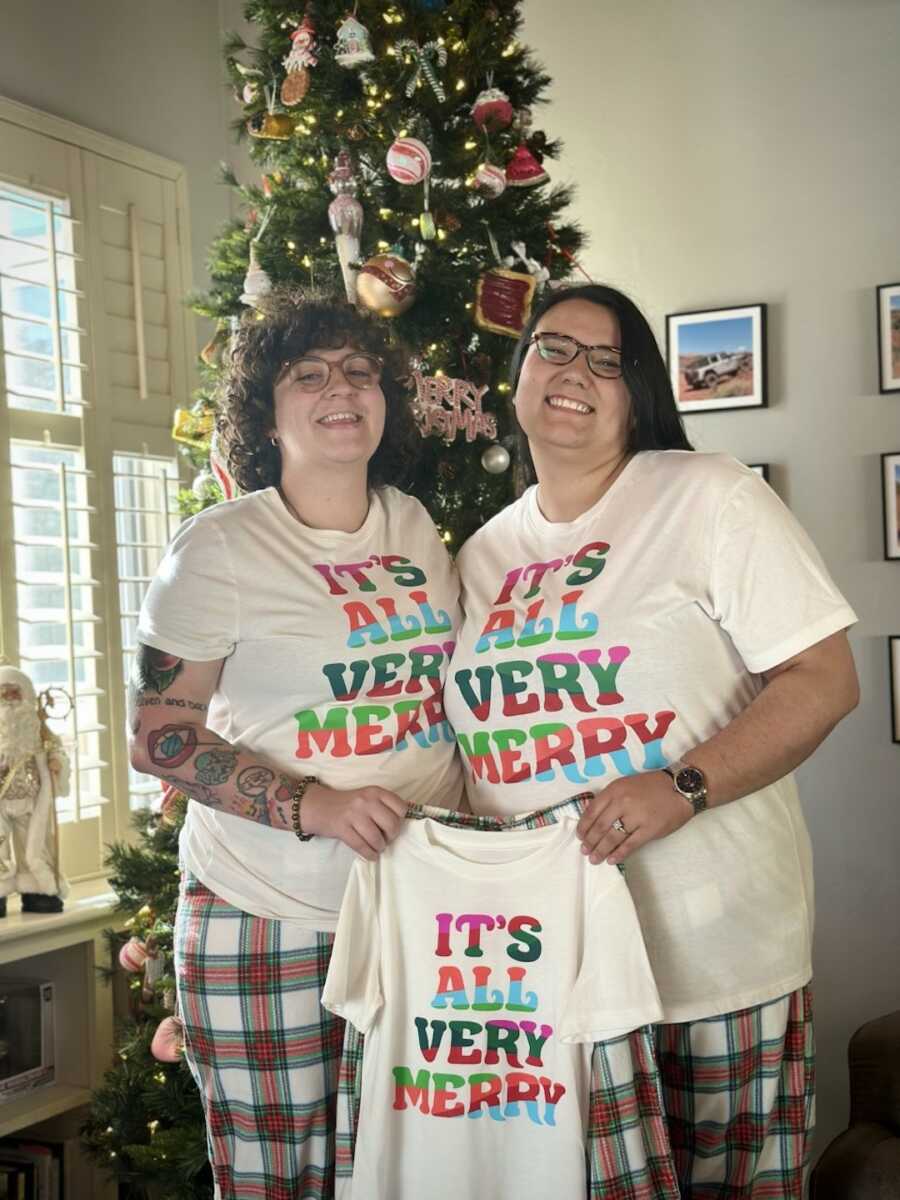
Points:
(34, 770)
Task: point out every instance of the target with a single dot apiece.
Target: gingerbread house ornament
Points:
(353, 47)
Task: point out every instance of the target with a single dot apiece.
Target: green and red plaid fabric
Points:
(629, 1156)
(263, 1051)
(740, 1098)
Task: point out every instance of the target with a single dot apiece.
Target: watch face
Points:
(690, 780)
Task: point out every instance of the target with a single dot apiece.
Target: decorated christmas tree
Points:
(401, 165)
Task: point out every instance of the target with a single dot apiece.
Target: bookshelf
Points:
(66, 948)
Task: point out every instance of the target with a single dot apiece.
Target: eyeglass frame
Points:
(580, 348)
(288, 363)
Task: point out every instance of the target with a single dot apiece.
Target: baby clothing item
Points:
(482, 963)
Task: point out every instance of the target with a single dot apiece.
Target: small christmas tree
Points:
(400, 166)
(146, 1121)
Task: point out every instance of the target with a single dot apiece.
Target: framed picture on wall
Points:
(890, 470)
(717, 358)
(889, 337)
(894, 672)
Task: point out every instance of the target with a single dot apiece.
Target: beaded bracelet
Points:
(296, 797)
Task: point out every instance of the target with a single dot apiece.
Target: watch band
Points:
(690, 782)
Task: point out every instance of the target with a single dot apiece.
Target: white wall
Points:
(736, 152)
(150, 74)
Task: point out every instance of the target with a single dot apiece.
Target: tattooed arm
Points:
(168, 703)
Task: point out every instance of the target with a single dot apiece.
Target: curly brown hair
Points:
(290, 325)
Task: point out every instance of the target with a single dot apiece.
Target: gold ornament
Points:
(386, 285)
(194, 429)
(275, 127)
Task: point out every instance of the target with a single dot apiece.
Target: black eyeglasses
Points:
(312, 374)
(559, 348)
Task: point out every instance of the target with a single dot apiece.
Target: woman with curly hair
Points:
(298, 637)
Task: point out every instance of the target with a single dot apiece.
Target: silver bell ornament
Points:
(495, 459)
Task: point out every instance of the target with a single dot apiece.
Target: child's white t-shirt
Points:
(480, 966)
(336, 648)
(615, 644)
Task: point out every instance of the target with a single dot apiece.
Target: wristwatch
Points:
(689, 782)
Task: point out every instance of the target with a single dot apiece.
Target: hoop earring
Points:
(273, 441)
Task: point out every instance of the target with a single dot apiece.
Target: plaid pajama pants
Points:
(740, 1100)
(262, 1050)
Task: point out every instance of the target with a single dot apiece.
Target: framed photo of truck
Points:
(717, 358)
(889, 337)
(890, 473)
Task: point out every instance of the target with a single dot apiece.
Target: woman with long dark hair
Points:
(282, 685)
(652, 624)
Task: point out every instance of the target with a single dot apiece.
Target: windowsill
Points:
(89, 903)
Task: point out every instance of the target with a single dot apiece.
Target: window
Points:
(94, 359)
(146, 492)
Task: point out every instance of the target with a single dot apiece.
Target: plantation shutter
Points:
(94, 360)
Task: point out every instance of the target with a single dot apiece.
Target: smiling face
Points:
(566, 411)
(340, 425)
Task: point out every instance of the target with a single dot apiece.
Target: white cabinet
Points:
(66, 948)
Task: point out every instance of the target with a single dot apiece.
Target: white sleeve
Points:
(353, 986)
(770, 589)
(191, 606)
(615, 991)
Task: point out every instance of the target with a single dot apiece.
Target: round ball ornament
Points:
(386, 285)
(409, 161)
(495, 459)
(491, 180)
(492, 110)
(133, 955)
(168, 1041)
(204, 486)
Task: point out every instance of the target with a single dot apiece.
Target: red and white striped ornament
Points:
(133, 955)
(409, 161)
(491, 180)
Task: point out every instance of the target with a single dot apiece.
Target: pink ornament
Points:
(409, 161)
(168, 1041)
(250, 93)
(492, 110)
(524, 170)
(491, 180)
(133, 955)
(345, 214)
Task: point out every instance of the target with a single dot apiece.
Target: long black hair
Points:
(655, 421)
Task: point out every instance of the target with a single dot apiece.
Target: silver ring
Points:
(619, 827)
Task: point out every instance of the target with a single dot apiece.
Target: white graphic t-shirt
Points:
(336, 647)
(480, 966)
(615, 644)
